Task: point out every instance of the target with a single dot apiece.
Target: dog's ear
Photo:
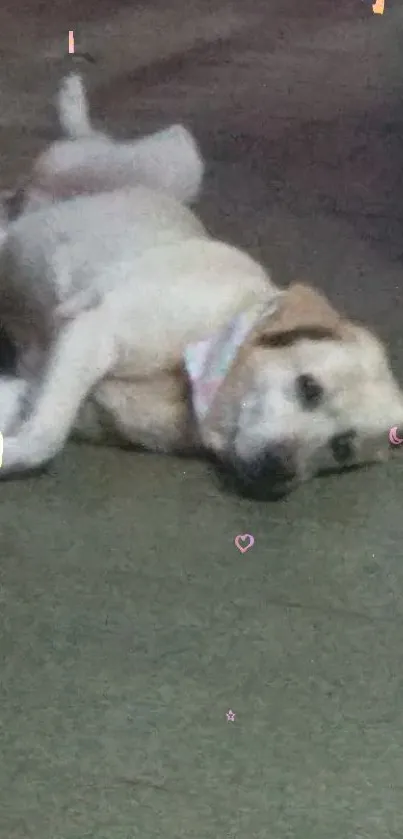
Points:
(303, 313)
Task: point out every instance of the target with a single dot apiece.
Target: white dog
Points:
(134, 326)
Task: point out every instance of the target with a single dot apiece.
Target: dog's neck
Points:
(208, 362)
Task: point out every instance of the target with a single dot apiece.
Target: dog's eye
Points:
(342, 447)
(309, 390)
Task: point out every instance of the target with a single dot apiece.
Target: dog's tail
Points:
(72, 106)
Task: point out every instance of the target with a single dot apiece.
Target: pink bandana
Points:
(208, 362)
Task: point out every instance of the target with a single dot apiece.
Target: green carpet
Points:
(132, 625)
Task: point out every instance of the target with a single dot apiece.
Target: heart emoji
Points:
(248, 541)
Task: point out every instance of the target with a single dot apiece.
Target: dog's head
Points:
(307, 392)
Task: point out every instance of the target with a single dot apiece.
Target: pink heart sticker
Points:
(247, 538)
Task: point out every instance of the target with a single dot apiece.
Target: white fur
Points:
(102, 293)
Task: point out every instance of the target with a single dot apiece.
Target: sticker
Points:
(248, 539)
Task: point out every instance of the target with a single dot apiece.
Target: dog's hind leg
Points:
(82, 354)
(72, 108)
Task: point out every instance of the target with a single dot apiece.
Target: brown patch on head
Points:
(302, 313)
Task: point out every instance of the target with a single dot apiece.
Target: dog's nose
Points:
(271, 473)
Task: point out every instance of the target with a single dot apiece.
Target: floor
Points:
(131, 624)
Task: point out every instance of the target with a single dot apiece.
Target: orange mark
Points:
(71, 40)
(378, 7)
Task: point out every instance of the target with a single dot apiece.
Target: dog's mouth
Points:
(267, 477)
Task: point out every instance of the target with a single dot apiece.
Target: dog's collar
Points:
(207, 362)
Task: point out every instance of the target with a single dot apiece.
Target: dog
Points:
(134, 326)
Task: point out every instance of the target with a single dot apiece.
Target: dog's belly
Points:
(68, 248)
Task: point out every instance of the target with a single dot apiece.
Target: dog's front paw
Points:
(9, 456)
(24, 453)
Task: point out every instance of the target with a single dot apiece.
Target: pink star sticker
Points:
(230, 716)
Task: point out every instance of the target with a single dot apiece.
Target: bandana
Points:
(208, 362)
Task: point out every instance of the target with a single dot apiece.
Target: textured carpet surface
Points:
(131, 624)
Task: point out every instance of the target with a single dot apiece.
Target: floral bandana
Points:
(208, 362)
